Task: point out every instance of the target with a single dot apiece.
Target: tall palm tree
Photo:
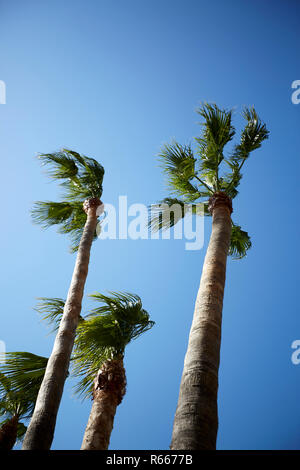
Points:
(195, 178)
(81, 179)
(21, 375)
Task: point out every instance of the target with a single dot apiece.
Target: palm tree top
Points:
(81, 176)
(21, 375)
(81, 179)
(104, 334)
(23, 372)
(195, 177)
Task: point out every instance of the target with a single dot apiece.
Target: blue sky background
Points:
(114, 80)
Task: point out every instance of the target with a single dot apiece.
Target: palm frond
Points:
(178, 162)
(20, 378)
(61, 165)
(240, 242)
(25, 372)
(82, 178)
(69, 215)
(217, 131)
(252, 136)
(166, 213)
(230, 181)
(51, 310)
(104, 334)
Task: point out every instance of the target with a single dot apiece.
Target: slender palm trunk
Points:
(40, 432)
(196, 419)
(109, 389)
(8, 433)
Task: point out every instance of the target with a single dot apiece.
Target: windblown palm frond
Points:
(104, 334)
(240, 242)
(25, 372)
(166, 213)
(217, 131)
(20, 378)
(82, 178)
(178, 162)
(253, 135)
(51, 310)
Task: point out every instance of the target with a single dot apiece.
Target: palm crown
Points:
(105, 333)
(102, 334)
(20, 378)
(81, 178)
(194, 179)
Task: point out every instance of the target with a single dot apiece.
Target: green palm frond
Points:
(240, 242)
(51, 310)
(82, 178)
(70, 216)
(217, 131)
(104, 334)
(230, 181)
(25, 371)
(178, 162)
(60, 165)
(252, 136)
(169, 211)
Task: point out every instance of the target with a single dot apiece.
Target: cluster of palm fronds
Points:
(81, 178)
(193, 177)
(101, 335)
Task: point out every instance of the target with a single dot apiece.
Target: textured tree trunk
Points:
(8, 433)
(40, 431)
(109, 389)
(196, 419)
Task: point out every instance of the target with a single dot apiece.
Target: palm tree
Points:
(101, 338)
(98, 360)
(202, 179)
(81, 179)
(21, 375)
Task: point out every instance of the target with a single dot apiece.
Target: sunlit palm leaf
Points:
(217, 131)
(81, 178)
(254, 133)
(240, 242)
(169, 211)
(105, 333)
(25, 372)
(51, 310)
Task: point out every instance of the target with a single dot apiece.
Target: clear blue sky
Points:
(114, 80)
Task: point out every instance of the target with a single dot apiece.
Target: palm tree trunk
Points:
(196, 419)
(40, 431)
(109, 389)
(8, 433)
